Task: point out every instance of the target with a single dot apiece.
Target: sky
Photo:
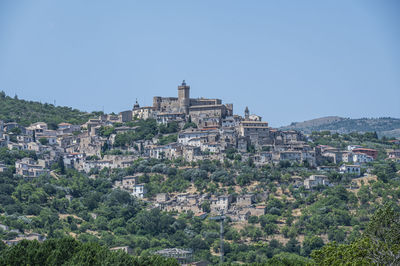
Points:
(286, 60)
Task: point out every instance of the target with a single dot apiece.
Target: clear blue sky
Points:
(287, 60)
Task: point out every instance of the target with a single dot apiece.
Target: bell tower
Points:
(246, 114)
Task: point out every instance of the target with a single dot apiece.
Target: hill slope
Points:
(384, 126)
(27, 112)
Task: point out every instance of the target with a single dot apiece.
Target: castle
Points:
(200, 110)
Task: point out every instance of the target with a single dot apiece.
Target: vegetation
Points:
(68, 251)
(28, 112)
(91, 211)
(379, 244)
(354, 222)
(147, 130)
(168, 139)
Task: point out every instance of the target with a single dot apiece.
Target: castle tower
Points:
(184, 97)
(246, 114)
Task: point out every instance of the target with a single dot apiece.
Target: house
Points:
(127, 183)
(183, 256)
(347, 156)
(67, 128)
(185, 136)
(394, 141)
(182, 197)
(125, 249)
(125, 116)
(32, 236)
(287, 156)
(162, 197)
(4, 139)
(169, 151)
(324, 168)
(394, 154)
(145, 112)
(3, 167)
(4, 227)
(352, 147)
(243, 215)
(36, 128)
(28, 167)
(371, 152)
(264, 157)
(72, 159)
(230, 121)
(359, 157)
(11, 125)
(245, 200)
(350, 169)
(333, 155)
(96, 164)
(316, 180)
(164, 118)
(258, 210)
(221, 203)
(24, 138)
(17, 146)
(139, 191)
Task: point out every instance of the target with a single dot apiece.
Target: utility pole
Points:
(221, 236)
(221, 219)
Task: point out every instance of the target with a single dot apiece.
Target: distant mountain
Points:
(384, 126)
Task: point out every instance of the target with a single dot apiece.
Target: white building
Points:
(139, 191)
(350, 169)
(352, 147)
(359, 157)
(221, 203)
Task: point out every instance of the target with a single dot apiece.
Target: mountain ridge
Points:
(384, 126)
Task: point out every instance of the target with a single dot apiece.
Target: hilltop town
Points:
(189, 156)
(191, 130)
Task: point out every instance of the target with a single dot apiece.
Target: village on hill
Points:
(185, 130)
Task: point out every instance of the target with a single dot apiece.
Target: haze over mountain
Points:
(384, 126)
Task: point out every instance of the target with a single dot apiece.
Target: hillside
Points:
(27, 112)
(384, 126)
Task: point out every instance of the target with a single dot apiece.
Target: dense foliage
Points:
(147, 130)
(68, 251)
(324, 225)
(28, 112)
(379, 244)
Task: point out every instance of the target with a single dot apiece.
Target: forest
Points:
(25, 112)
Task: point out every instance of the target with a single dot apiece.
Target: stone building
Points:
(198, 109)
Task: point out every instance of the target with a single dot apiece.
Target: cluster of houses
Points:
(19, 237)
(218, 131)
(239, 209)
(218, 135)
